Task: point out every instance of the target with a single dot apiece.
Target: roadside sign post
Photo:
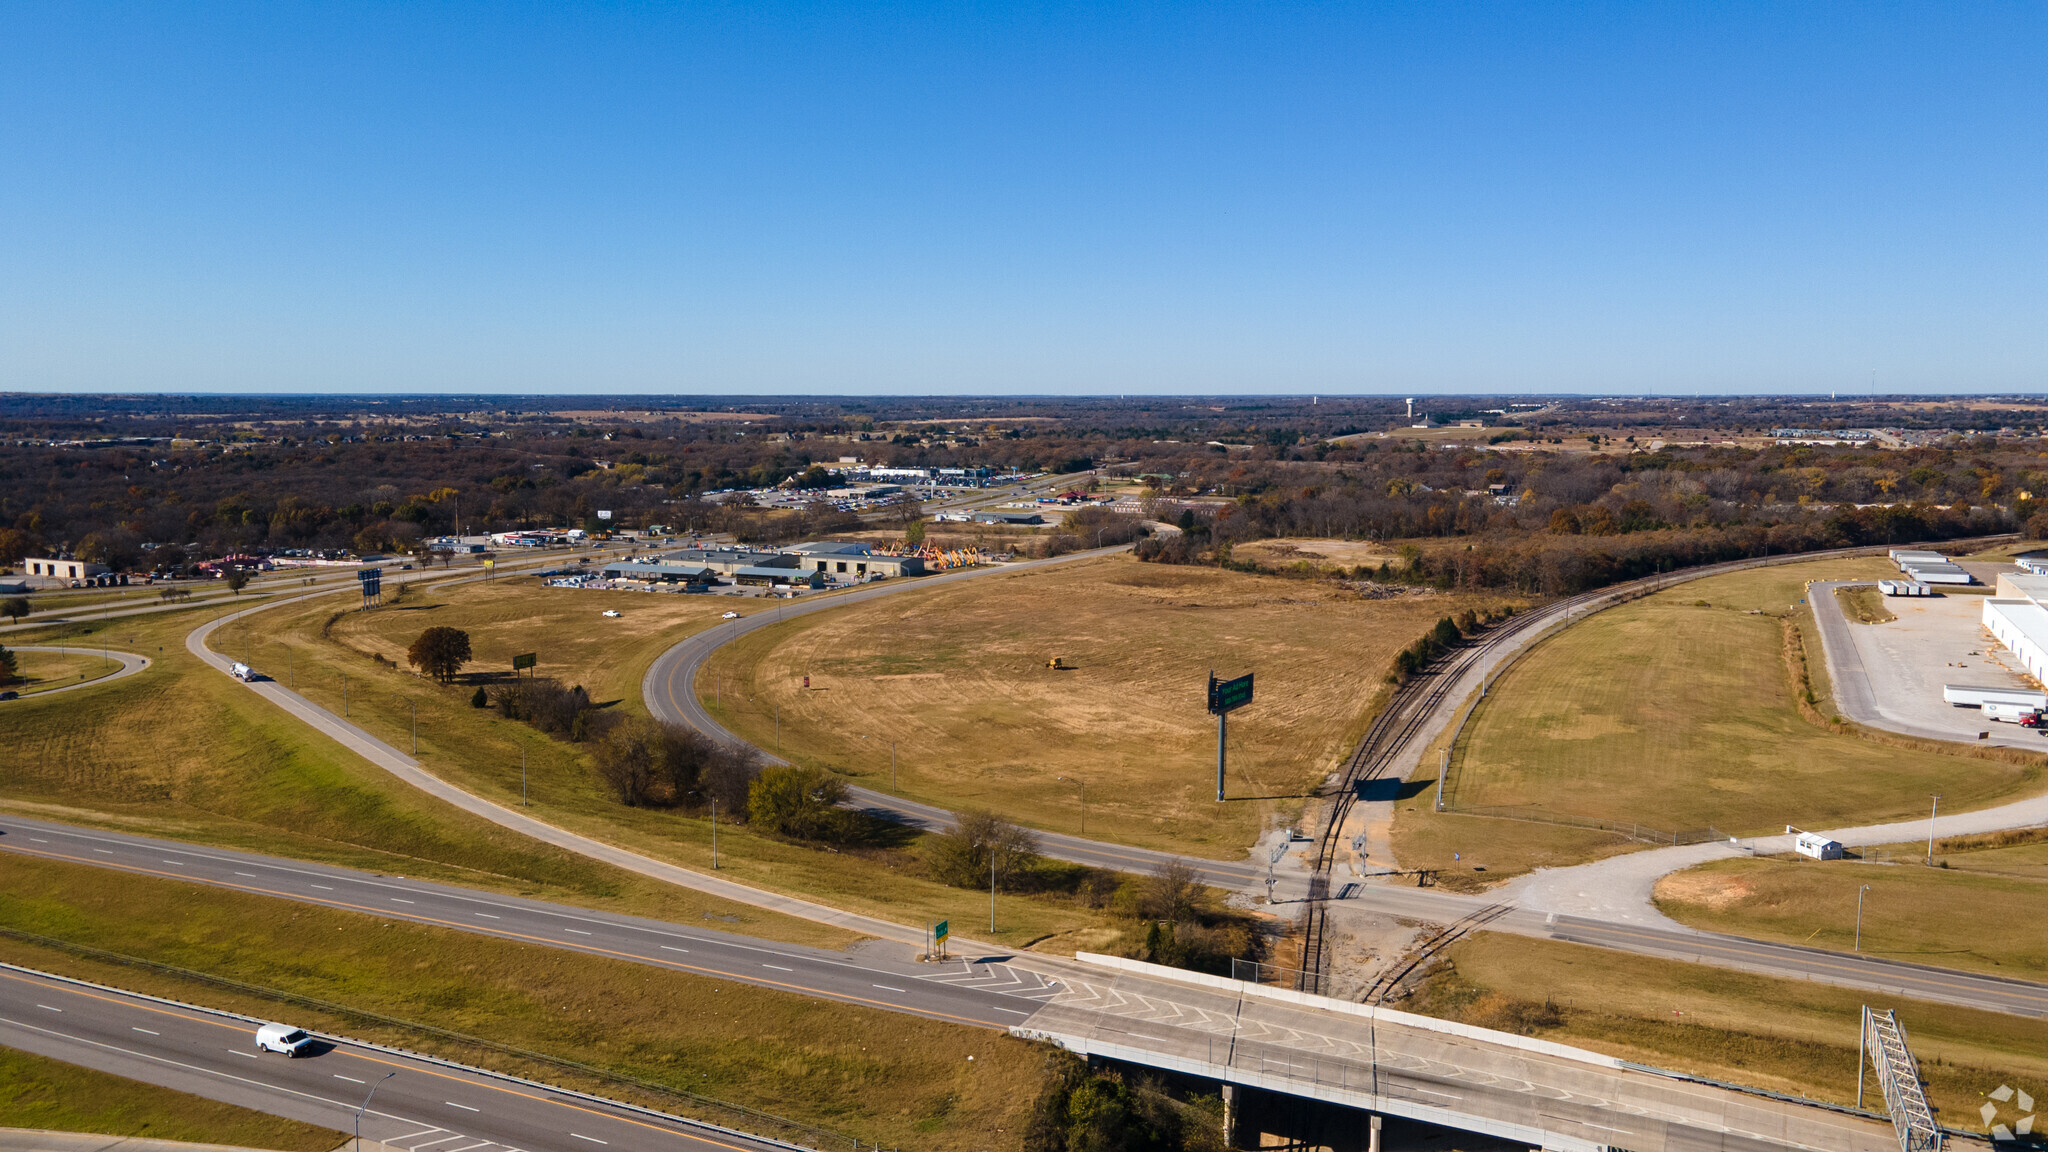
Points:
(524, 661)
(1225, 697)
(940, 932)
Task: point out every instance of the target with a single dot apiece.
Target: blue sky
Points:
(793, 197)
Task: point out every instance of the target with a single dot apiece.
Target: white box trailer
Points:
(1817, 846)
(2008, 713)
(1905, 588)
(1901, 555)
(1965, 696)
(2034, 564)
(1936, 573)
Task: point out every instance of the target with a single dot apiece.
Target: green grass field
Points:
(40, 1093)
(1677, 711)
(1975, 918)
(881, 1076)
(44, 671)
(184, 752)
(480, 751)
(956, 681)
(1781, 1035)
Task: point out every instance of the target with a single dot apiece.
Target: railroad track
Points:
(1415, 702)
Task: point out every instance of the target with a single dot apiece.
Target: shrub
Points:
(649, 764)
(801, 803)
(482, 699)
(961, 858)
(440, 652)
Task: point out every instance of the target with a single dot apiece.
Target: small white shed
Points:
(1817, 846)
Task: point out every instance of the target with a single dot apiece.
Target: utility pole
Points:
(522, 773)
(892, 765)
(991, 889)
(1083, 784)
(366, 1104)
(714, 834)
(1859, 918)
(344, 695)
(778, 728)
(1930, 828)
(415, 726)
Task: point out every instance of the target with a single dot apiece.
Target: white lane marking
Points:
(47, 1008)
(592, 1139)
(323, 887)
(488, 916)
(666, 948)
(469, 1147)
(350, 1079)
(396, 900)
(1013, 1012)
(578, 931)
(104, 851)
(778, 967)
(144, 1031)
(464, 1107)
(39, 841)
(250, 875)
(886, 988)
(418, 1134)
(250, 1055)
(442, 1140)
(175, 863)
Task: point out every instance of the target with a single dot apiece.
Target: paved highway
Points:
(427, 1106)
(1428, 1070)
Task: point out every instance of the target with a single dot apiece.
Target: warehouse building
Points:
(661, 573)
(729, 561)
(854, 561)
(62, 568)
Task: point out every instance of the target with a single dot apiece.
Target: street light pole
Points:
(1083, 785)
(522, 773)
(714, 834)
(415, 726)
(366, 1104)
(1859, 918)
(1930, 828)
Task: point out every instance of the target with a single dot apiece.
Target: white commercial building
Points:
(2022, 626)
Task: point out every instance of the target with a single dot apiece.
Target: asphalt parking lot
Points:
(1936, 640)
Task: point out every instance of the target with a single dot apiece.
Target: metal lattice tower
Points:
(1898, 1075)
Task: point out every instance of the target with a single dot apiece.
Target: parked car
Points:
(730, 616)
(10, 694)
(284, 1038)
(612, 612)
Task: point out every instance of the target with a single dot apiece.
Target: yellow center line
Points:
(485, 930)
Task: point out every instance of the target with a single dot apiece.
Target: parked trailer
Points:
(1901, 555)
(1964, 696)
(1905, 588)
(1936, 573)
(2011, 713)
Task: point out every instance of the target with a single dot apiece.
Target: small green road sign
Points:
(1227, 695)
(527, 661)
(939, 932)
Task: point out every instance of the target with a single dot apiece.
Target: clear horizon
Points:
(1599, 200)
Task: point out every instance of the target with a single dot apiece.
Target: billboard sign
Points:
(520, 663)
(1228, 695)
(604, 514)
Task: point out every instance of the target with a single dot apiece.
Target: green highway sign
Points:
(1227, 695)
(939, 932)
(526, 661)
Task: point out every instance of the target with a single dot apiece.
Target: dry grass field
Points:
(1977, 919)
(1677, 711)
(956, 680)
(182, 751)
(481, 751)
(1316, 553)
(1783, 1035)
(49, 1095)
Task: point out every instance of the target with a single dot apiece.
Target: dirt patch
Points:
(1704, 889)
(1321, 553)
(1864, 605)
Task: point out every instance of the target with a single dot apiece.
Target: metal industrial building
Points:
(854, 560)
(2015, 615)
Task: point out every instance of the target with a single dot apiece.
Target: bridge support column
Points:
(1231, 1109)
(1372, 1138)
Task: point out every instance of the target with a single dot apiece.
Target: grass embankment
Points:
(880, 1076)
(1781, 1035)
(184, 752)
(1983, 913)
(1864, 604)
(1680, 711)
(956, 680)
(479, 750)
(43, 671)
(40, 1093)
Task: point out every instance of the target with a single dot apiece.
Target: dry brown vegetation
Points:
(957, 680)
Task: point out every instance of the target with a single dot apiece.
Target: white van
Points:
(284, 1038)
